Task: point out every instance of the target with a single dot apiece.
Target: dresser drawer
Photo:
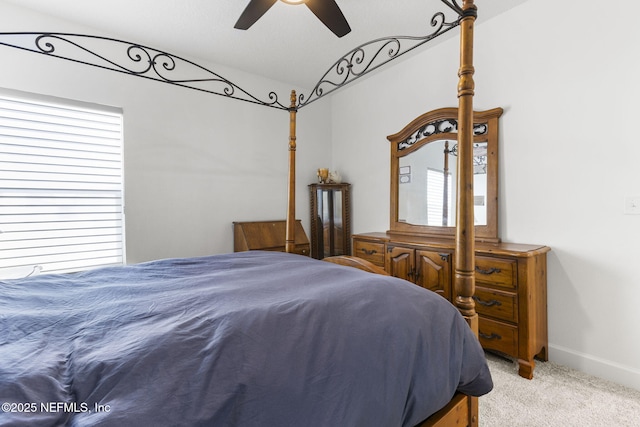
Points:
(496, 272)
(372, 252)
(497, 304)
(498, 336)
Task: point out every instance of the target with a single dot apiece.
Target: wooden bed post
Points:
(465, 232)
(290, 238)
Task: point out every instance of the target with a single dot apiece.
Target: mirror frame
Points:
(442, 124)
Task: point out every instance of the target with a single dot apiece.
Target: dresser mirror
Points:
(424, 170)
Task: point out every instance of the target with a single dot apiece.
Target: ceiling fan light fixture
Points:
(326, 11)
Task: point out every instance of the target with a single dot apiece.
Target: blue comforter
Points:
(248, 339)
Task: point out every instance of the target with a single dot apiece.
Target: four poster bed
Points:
(251, 338)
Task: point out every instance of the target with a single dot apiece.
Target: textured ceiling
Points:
(288, 44)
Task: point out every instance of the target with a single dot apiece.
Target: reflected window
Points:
(439, 201)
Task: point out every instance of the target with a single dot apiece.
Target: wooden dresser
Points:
(268, 236)
(511, 286)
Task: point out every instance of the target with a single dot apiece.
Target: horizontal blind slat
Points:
(57, 193)
(59, 185)
(85, 122)
(10, 175)
(35, 211)
(17, 227)
(56, 148)
(41, 158)
(59, 110)
(7, 220)
(59, 201)
(43, 253)
(59, 130)
(60, 237)
(57, 169)
(46, 139)
(46, 259)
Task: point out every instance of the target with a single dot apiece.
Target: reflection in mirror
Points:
(427, 186)
(424, 171)
(480, 183)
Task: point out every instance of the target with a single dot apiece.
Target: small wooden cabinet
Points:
(267, 236)
(426, 268)
(330, 219)
(511, 286)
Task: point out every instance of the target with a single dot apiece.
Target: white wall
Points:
(566, 77)
(194, 162)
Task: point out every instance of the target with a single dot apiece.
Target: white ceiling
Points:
(288, 44)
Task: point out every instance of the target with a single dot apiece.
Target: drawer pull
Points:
(371, 252)
(487, 303)
(489, 271)
(493, 336)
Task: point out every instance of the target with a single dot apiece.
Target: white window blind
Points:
(435, 198)
(61, 185)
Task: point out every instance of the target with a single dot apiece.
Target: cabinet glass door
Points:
(331, 221)
(330, 231)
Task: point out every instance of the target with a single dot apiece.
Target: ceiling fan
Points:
(326, 10)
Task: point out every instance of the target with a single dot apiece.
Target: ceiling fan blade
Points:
(330, 14)
(254, 10)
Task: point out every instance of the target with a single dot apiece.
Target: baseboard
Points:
(601, 368)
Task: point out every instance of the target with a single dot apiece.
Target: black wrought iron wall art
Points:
(150, 63)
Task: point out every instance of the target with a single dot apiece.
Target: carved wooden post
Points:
(290, 238)
(465, 233)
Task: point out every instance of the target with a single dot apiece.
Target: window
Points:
(61, 185)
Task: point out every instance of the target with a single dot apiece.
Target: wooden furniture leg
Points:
(525, 368)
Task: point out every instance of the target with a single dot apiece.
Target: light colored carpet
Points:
(556, 397)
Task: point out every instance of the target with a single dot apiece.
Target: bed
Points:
(251, 338)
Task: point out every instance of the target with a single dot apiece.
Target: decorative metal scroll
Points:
(439, 126)
(374, 54)
(134, 59)
(142, 61)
